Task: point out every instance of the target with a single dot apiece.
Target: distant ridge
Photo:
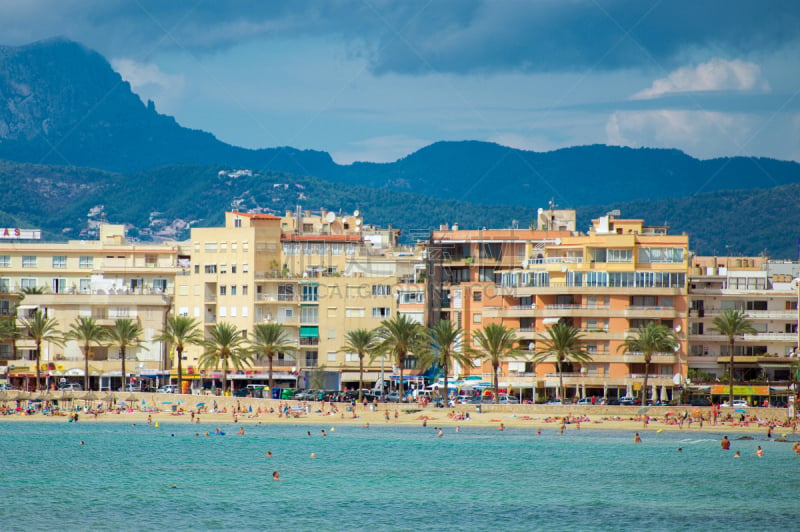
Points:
(67, 112)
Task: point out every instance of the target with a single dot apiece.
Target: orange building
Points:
(608, 282)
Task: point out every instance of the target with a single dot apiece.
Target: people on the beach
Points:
(637, 438)
(725, 443)
(759, 451)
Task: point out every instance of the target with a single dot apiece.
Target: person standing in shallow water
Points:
(725, 443)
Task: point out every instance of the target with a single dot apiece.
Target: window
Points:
(331, 356)
(336, 249)
(285, 292)
(310, 292)
(223, 268)
(354, 313)
(84, 285)
(233, 268)
(477, 296)
(477, 318)
(223, 290)
(244, 289)
(309, 315)
(59, 285)
(59, 261)
(233, 289)
(412, 297)
(223, 246)
(210, 247)
(619, 255)
(381, 312)
(351, 357)
(245, 268)
(196, 268)
(159, 286)
(660, 255)
(237, 222)
(210, 268)
(28, 261)
(27, 283)
(5, 261)
(381, 290)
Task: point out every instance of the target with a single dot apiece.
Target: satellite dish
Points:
(677, 328)
(330, 217)
(356, 213)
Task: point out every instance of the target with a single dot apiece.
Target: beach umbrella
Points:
(166, 402)
(740, 411)
(200, 404)
(664, 394)
(131, 398)
(653, 393)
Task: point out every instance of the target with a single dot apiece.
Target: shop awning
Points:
(718, 389)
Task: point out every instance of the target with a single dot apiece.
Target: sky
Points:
(375, 80)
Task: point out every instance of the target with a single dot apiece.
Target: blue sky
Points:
(376, 80)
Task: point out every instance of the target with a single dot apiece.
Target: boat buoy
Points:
(156, 424)
(660, 430)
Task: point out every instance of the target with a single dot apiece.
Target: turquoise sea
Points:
(387, 478)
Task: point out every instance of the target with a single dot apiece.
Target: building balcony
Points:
(520, 311)
(760, 337)
(564, 289)
(751, 314)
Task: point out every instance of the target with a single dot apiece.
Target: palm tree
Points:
(497, 342)
(652, 338)
(269, 339)
(86, 331)
(398, 337)
(363, 342)
(126, 333)
(10, 331)
(444, 336)
(732, 323)
(40, 329)
(563, 342)
(226, 348)
(180, 331)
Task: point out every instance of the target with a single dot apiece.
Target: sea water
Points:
(387, 478)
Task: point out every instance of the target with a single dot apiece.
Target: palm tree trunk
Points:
(561, 382)
(644, 389)
(446, 396)
(496, 367)
(86, 366)
(730, 376)
(401, 360)
(224, 380)
(38, 360)
(122, 362)
(360, 376)
(179, 350)
(271, 382)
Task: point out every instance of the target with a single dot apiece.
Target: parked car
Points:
(4, 387)
(554, 402)
(700, 401)
(507, 400)
(737, 403)
(629, 401)
(305, 395)
(70, 387)
(168, 388)
(393, 397)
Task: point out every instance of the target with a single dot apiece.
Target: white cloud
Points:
(380, 149)
(150, 83)
(699, 133)
(714, 75)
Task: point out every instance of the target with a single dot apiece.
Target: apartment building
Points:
(318, 274)
(767, 292)
(106, 279)
(608, 282)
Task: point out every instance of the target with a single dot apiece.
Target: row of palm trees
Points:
(397, 338)
(227, 347)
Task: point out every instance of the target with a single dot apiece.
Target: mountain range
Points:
(79, 145)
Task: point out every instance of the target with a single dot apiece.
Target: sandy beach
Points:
(209, 412)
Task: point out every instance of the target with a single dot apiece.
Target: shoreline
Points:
(252, 411)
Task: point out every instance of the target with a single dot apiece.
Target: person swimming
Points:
(276, 475)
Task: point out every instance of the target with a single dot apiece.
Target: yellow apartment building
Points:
(318, 274)
(106, 279)
(767, 292)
